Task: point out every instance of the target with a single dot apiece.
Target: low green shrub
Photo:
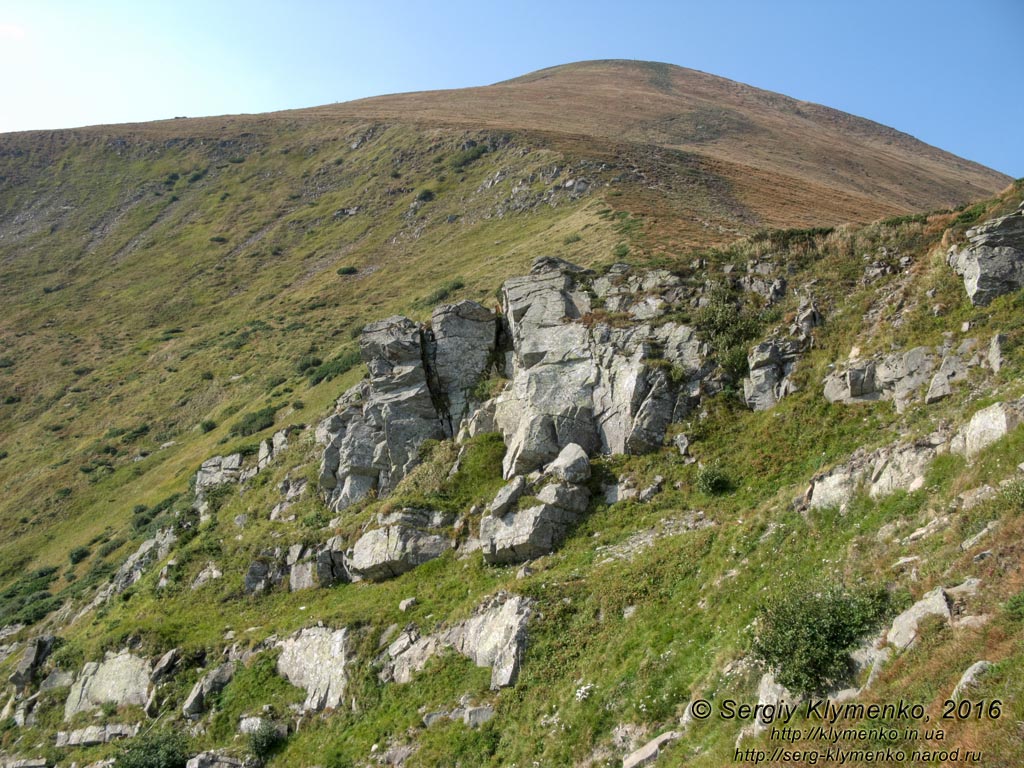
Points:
(254, 422)
(712, 480)
(339, 364)
(155, 749)
(806, 634)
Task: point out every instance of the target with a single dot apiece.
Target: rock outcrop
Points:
(373, 438)
(209, 685)
(36, 651)
(96, 734)
(897, 377)
(573, 380)
(149, 552)
(897, 467)
(121, 679)
(771, 363)
(513, 536)
(992, 264)
(595, 386)
(495, 637)
(225, 470)
(316, 659)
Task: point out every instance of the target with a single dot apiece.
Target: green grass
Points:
(145, 377)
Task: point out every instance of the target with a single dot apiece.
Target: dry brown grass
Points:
(785, 162)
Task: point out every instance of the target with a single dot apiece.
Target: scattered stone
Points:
(210, 573)
(408, 604)
(648, 753)
(970, 678)
(249, 725)
(652, 490)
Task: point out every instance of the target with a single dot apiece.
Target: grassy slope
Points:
(161, 280)
(695, 593)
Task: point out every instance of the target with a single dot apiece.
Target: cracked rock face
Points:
(418, 389)
(513, 536)
(993, 262)
(571, 383)
(771, 363)
(316, 659)
(122, 679)
(898, 377)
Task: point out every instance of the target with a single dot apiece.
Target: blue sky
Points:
(946, 72)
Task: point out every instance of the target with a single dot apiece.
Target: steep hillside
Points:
(188, 504)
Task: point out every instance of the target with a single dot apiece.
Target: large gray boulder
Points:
(121, 679)
(494, 636)
(571, 465)
(992, 264)
(316, 659)
(904, 631)
(987, 426)
(524, 535)
(387, 552)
